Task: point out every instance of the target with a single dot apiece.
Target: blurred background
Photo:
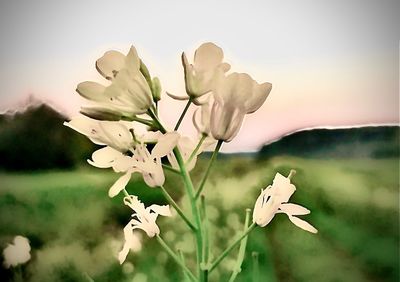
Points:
(333, 115)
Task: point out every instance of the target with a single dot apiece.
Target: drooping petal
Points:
(302, 224)
(293, 209)
(119, 185)
(110, 64)
(176, 97)
(153, 174)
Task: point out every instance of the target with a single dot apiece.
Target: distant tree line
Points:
(361, 142)
(36, 139)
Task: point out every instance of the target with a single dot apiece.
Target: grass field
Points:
(75, 230)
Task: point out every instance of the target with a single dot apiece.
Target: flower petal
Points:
(118, 134)
(165, 144)
(293, 209)
(208, 56)
(283, 187)
(161, 210)
(259, 95)
(88, 127)
(302, 224)
(119, 185)
(110, 64)
(176, 97)
(132, 61)
(104, 157)
(91, 90)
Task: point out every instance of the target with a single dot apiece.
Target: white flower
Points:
(200, 76)
(235, 96)
(127, 95)
(274, 199)
(17, 253)
(142, 218)
(112, 133)
(142, 161)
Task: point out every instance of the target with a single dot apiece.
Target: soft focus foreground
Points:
(75, 231)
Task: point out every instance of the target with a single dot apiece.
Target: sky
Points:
(331, 63)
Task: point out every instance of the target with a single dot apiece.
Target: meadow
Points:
(75, 229)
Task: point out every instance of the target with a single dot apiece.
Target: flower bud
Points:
(156, 89)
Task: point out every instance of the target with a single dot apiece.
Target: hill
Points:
(35, 139)
(371, 142)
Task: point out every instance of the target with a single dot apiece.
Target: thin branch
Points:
(170, 168)
(242, 249)
(183, 114)
(231, 247)
(213, 158)
(194, 153)
(176, 258)
(177, 208)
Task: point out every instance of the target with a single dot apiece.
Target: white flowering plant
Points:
(222, 99)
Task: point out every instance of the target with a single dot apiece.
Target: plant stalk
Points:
(213, 158)
(176, 258)
(231, 247)
(177, 208)
(183, 114)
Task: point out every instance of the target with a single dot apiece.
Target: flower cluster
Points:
(224, 99)
(128, 92)
(122, 118)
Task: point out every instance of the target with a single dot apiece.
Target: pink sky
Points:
(331, 63)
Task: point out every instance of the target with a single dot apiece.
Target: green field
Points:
(75, 230)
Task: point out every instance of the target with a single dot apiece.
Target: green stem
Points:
(206, 244)
(231, 247)
(125, 192)
(167, 167)
(195, 210)
(191, 194)
(143, 121)
(176, 258)
(242, 249)
(203, 137)
(185, 276)
(213, 158)
(183, 114)
(177, 208)
(157, 121)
